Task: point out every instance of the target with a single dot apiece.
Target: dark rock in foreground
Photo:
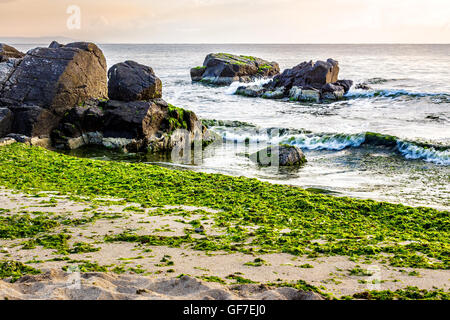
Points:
(33, 121)
(40, 87)
(6, 119)
(225, 68)
(131, 126)
(282, 155)
(57, 96)
(131, 81)
(308, 81)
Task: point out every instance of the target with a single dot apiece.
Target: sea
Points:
(409, 99)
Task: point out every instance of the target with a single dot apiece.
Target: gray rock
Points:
(6, 121)
(49, 81)
(332, 91)
(225, 68)
(250, 91)
(131, 126)
(33, 120)
(54, 79)
(309, 95)
(7, 52)
(363, 86)
(308, 81)
(55, 45)
(130, 81)
(307, 75)
(19, 137)
(346, 84)
(282, 155)
(276, 94)
(6, 69)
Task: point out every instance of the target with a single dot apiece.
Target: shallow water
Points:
(410, 100)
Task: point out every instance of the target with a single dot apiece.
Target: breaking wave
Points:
(322, 141)
(394, 93)
(235, 85)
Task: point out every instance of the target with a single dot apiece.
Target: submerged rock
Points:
(308, 81)
(225, 68)
(363, 86)
(282, 155)
(131, 81)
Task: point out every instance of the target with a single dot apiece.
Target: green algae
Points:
(213, 279)
(24, 226)
(258, 262)
(177, 117)
(409, 293)
(239, 279)
(86, 266)
(406, 236)
(15, 270)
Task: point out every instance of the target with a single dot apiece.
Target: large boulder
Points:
(7, 52)
(131, 81)
(307, 74)
(32, 121)
(280, 155)
(6, 121)
(225, 68)
(308, 81)
(7, 67)
(131, 126)
(55, 80)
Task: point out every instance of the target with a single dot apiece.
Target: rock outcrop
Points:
(282, 155)
(132, 126)
(6, 119)
(59, 95)
(8, 52)
(57, 78)
(40, 87)
(308, 81)
(225, 68)
(33, 121)
(131, 81)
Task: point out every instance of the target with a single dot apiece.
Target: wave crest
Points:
(322, 141)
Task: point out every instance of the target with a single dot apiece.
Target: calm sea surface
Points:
(410, 99)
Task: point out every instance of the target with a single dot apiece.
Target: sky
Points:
(229, 21)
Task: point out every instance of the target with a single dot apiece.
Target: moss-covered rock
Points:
(225, 68)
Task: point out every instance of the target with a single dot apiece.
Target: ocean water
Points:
(410, 100)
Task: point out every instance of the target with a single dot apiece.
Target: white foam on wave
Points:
(244, 136)
(326, 142)
(305, 141)
(412, 151)
(336, 142)
(389, 93)
(235, 85)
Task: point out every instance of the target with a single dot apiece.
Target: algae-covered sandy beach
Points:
(223, 171)
(165, 234)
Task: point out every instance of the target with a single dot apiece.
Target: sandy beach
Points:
(140, 271)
